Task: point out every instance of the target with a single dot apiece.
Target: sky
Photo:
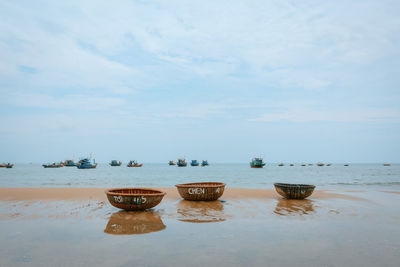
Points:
(291, 81)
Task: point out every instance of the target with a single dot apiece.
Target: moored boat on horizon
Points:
(204, 163)
(257, 163)
(194, 163)
(181, 163)
(52, 165)
(171, 163)
(115, 163)
(134, 163)
(6, 165)
(320, 164)
(69, 163)
(86, 164)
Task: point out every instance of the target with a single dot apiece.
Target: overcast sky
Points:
(292, 81)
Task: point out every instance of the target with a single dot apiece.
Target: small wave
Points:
(372, 183)
(57, 184)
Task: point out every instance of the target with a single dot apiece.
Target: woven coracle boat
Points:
(294, 191)
(134, 198)
(206, 191)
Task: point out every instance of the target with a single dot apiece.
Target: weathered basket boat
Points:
(206, 191)
(294, 191)
(134, 198)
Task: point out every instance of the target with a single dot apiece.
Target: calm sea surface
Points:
(234, 175)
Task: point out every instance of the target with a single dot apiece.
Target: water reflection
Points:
(134, 222)
(201, 211)
(293, 207)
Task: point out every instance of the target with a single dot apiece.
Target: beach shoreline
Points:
(98, 194)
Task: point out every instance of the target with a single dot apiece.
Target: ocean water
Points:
(234, 175)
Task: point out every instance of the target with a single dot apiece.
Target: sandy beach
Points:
(252, 227)
(82, 194)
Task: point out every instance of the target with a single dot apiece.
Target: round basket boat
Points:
(201, 191)
(134, 198)
(294, 191)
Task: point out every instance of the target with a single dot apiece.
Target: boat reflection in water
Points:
(134, 223)
(294, 207)
(201, 211)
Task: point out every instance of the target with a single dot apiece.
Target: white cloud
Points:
(195, 111)
(65, 102)
(212, 39)
(299, 115)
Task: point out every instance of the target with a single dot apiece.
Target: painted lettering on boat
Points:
(196, 191)
(118, 199)
(135, 200)
(139, 200)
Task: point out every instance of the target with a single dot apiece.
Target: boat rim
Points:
(202, 184)
(293, 185)
(156, 192)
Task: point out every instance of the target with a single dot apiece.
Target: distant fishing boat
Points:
(194, 163)
(303, 165)
(171, 163)
(346, 165)
(204, 163)
(280, 165)
(309, 164)
(320, 164)
(181, 163)
(291, 165)
(86, 164)
(52, 165)
(69, 163)
(6, 165)
(134, 163)
(329, 164)
(115, 163)
(257, 163)
(386, 164)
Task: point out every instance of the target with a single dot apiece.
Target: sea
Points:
(336, 176)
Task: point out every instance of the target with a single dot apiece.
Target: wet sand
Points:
(246, 227)
(83, 194)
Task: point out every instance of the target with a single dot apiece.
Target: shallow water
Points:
(231, 232)
(234, 175)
